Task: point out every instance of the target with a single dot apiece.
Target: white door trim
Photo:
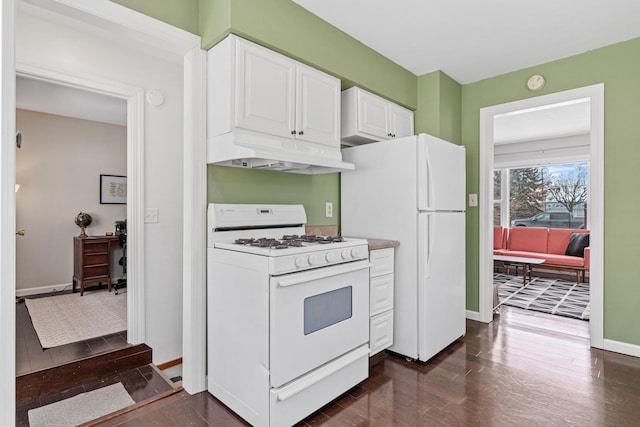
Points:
(7, 214)
(118, 19)
(194, 296)
(596, 183)
(115, 19)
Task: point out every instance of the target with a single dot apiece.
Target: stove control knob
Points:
(355, 252)
(314, 260)
(346, 254)
(330, 257)
(301, 261)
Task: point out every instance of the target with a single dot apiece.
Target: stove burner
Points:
(290, 237)
(310, 238)
(288, 241)
(244, 241)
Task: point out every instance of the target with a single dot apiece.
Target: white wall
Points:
(58, 47)
(58, 169)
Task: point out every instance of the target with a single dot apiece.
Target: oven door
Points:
(316, 316)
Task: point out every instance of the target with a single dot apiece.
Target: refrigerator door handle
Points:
(425, 240)
(423, 175)
(430, 218)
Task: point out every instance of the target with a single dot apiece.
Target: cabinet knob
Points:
(293, 132)
(393, 135)
(301, 133)
(389, 134)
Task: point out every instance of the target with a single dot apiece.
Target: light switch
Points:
(473, 200)
(151, 215)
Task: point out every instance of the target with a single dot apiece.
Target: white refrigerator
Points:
(413, 190)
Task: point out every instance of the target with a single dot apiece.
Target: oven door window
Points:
(329, 308)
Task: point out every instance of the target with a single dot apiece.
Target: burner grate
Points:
(291, 240)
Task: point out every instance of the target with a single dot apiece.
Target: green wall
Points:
(618, 66)
(285, 27)
(182, 14)
(235, 185)
(444, 108)
(439, 110)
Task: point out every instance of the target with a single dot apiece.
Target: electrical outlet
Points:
(151, 215)
(473, 200)
(328, 210)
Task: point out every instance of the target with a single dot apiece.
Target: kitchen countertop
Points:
(382, 244)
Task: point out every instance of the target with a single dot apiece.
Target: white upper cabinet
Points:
(253, 88)
(265, 91)
(367, 118)
(317, 106)
(401, 121)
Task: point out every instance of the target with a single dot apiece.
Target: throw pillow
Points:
(577, 243)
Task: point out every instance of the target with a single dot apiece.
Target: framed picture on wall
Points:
(113, 189)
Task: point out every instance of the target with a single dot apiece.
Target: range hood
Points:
(263, 152)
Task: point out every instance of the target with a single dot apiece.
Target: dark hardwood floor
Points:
(141, 383)
(31, 357)
(524, 369)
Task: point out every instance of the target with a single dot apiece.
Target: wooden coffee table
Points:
(526, 264)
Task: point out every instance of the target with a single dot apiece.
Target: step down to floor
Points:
(35, 385)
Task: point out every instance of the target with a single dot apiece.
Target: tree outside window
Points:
(542, 189)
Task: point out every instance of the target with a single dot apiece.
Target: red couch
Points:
(549, 244)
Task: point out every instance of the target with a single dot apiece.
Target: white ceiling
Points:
(550, 121)
(36, 95)
(471, 40)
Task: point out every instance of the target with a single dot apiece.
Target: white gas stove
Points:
(277, 232)
(288, 313)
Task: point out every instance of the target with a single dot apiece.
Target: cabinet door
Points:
(381, 294)
(317, 107)
(380, 332)
(373, 115)
(264, 90)
(401, 121)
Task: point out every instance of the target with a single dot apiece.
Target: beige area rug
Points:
(81, 408)
(63, 319)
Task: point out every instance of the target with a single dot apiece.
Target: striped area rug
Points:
(553, 296)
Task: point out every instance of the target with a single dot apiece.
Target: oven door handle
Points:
(321, 273)
(321, 373)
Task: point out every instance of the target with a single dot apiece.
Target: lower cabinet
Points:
(381, 299)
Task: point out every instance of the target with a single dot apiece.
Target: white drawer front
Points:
(381, 262)
(381, 332)
(381, 294)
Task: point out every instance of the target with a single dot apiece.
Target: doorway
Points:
(595, 94)
(69, 137)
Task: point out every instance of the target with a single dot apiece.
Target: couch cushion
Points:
(572, 261)
(559, 239)
(497, 236)
(530, 239)
(577, 243)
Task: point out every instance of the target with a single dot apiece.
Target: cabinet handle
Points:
(301, 133)
(293, 132)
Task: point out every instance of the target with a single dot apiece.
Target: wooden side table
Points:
(92, 260)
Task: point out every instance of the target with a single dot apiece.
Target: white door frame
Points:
(117, 19)
(596, 190)
(135, 181)
(7, 213)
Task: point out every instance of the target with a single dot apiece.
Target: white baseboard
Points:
(473, 315)
(43, 289)
(622, 347)
(53, 288)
